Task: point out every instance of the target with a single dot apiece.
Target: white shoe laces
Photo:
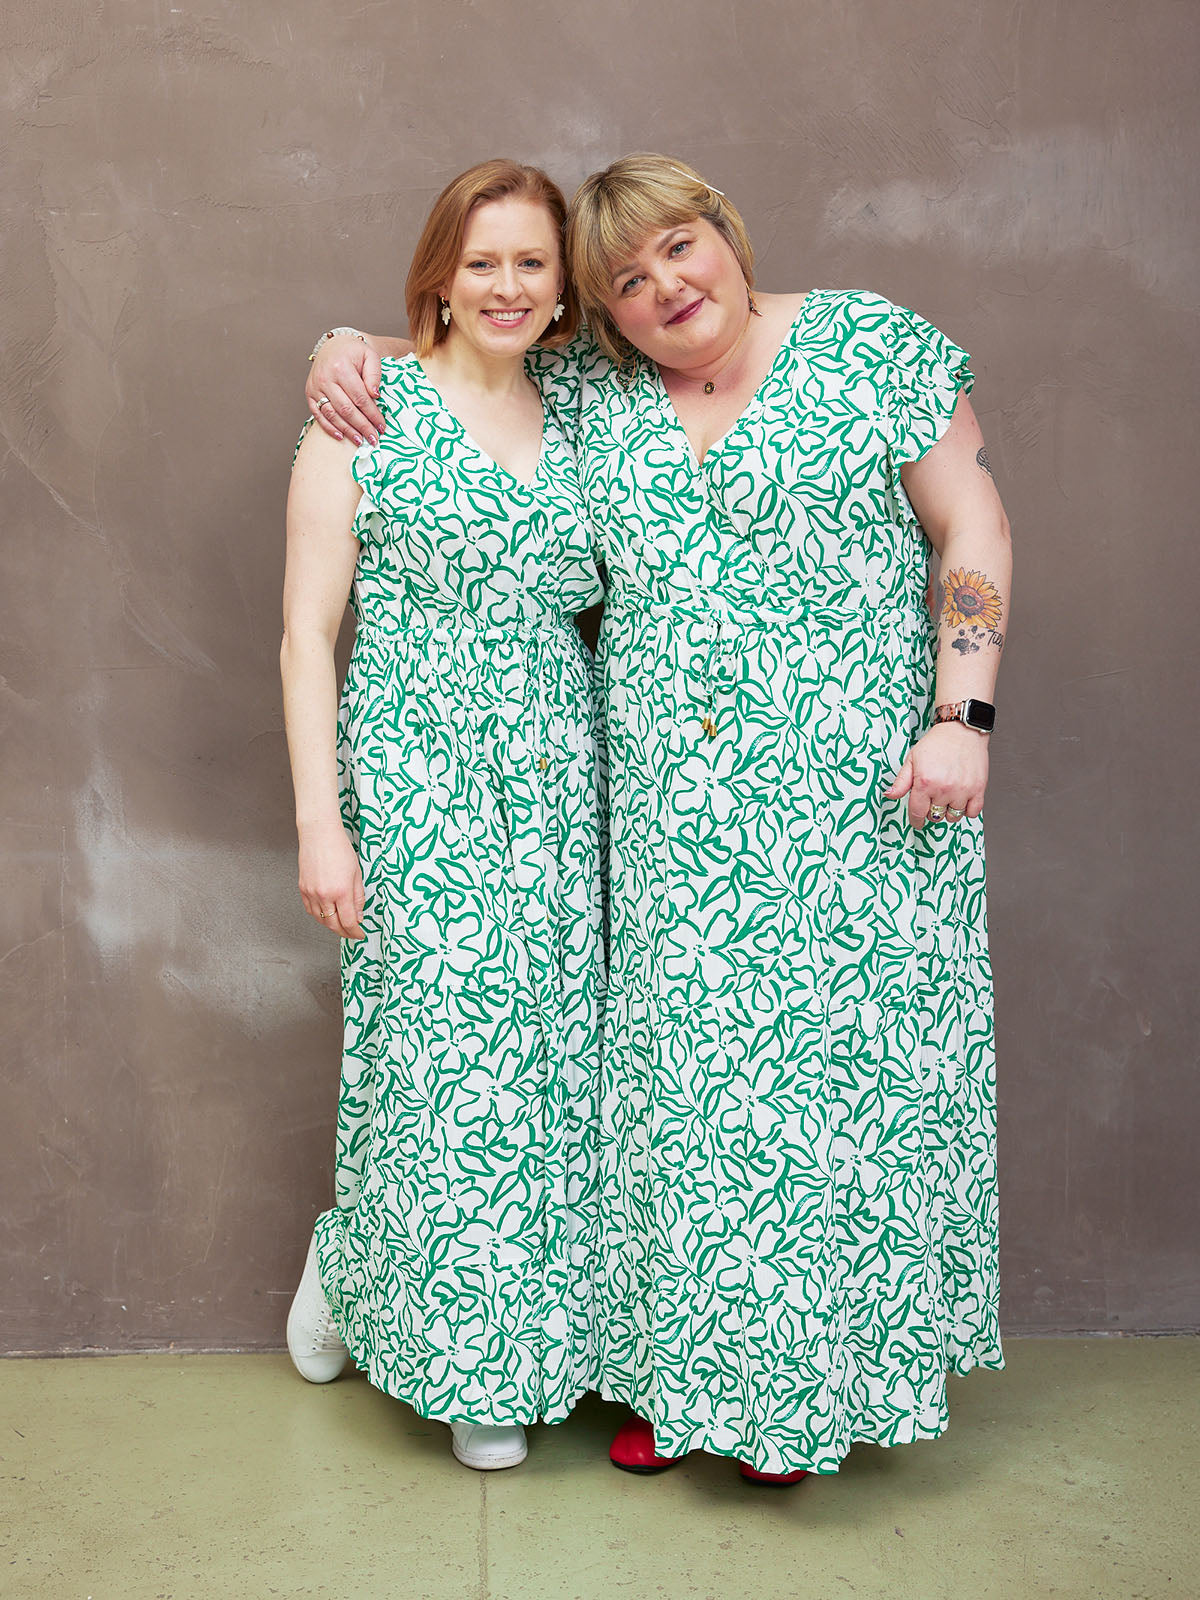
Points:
(326, 1340)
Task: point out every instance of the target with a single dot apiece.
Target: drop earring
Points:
(445, 312)
(558, 310)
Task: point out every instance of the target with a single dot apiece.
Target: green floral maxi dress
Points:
(457, 1259)
(798, 1203)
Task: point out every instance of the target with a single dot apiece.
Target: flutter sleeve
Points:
(927, 373)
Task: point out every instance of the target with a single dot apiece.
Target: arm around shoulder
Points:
(343, 383)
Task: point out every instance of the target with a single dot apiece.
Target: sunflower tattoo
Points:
(971, 600)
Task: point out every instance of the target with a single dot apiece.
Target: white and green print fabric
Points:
(798, 1197)
(458, 1257)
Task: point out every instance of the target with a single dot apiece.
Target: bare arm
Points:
(345, 371)
(954, 495)
(321, 556)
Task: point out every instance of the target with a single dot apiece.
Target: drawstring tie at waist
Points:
(532, 638)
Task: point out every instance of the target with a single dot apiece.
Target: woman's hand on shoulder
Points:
(342, 387)
(331, 882)
(345, 373)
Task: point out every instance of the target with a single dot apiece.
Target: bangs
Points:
(620, 223)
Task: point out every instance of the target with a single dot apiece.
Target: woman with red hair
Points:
(449, 824)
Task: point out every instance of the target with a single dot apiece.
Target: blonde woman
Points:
(449, 829)
(798, 1205)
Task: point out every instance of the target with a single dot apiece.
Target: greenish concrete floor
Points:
(174, 1477)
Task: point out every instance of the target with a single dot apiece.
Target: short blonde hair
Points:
(615, 210)
(437, 252)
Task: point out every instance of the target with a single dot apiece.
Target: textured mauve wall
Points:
(190, 194)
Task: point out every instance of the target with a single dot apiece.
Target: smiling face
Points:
(681, 296)
(509, 276)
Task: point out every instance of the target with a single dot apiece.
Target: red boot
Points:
(633, 1449)
(774, 1480)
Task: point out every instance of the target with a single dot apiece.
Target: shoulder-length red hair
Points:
(437, 252)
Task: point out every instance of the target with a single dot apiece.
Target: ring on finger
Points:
(324, 914)
(953, 814)
(937, 813)
(324, 400)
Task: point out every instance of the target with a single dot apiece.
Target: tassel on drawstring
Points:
(709, 720)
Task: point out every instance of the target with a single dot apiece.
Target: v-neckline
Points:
(414, 364)
(665, 400)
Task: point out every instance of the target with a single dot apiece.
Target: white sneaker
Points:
(487, 1448)
(313, 1342)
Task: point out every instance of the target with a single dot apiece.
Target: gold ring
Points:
(324, 401)
(937, 813)
(953, 813)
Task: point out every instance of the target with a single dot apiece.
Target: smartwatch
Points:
(977, 714)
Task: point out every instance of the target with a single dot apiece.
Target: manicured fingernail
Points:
(372, 438)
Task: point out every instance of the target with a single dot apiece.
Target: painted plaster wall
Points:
(190, 194)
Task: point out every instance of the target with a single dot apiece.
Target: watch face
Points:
(979, 714)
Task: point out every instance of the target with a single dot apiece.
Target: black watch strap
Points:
(977, 714)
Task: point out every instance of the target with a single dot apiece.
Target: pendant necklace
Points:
(711, 383)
